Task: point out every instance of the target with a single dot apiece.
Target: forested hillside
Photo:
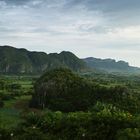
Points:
(22, 61)
(111, 65)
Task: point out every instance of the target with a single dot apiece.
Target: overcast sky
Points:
(98, 28)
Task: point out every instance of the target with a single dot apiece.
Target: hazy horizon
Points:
(88, 28)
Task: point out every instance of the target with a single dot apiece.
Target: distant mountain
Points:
(110, 65)
(22, 61)
(13, 60)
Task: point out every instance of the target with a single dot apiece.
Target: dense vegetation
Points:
(22, 61)
(69, 106)
(111, 65)
(63, 90)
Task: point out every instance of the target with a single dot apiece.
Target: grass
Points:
(9, 117)
(10, 113)
(25, 84)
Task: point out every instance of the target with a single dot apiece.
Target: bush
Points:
(31, 133)
(1, 103)
(12, 87)
(104, 124)
(5, 134)
(6, 96)
(129, 134)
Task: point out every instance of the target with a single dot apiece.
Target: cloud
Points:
(100, 28)
(2, 4)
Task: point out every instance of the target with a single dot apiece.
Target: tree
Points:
(61, 89)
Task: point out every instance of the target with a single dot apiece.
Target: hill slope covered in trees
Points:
(110, 65)
(13, 60)
(22, 61)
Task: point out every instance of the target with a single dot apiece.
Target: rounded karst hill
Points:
(61, 89)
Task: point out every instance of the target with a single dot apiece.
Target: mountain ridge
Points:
(21, 61)
(15, 60)
(110, 65)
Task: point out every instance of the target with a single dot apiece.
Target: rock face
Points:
(22, 61)
(110, 65)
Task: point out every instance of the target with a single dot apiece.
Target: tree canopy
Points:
(61, 89)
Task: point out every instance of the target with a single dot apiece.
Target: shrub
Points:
(1, 103)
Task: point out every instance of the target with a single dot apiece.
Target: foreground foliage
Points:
(104, 122)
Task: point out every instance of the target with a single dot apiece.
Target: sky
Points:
(88, 28)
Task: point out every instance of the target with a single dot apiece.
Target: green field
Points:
(13, 107)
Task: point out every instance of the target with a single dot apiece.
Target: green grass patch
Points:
(9, 117)
(10, 113)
